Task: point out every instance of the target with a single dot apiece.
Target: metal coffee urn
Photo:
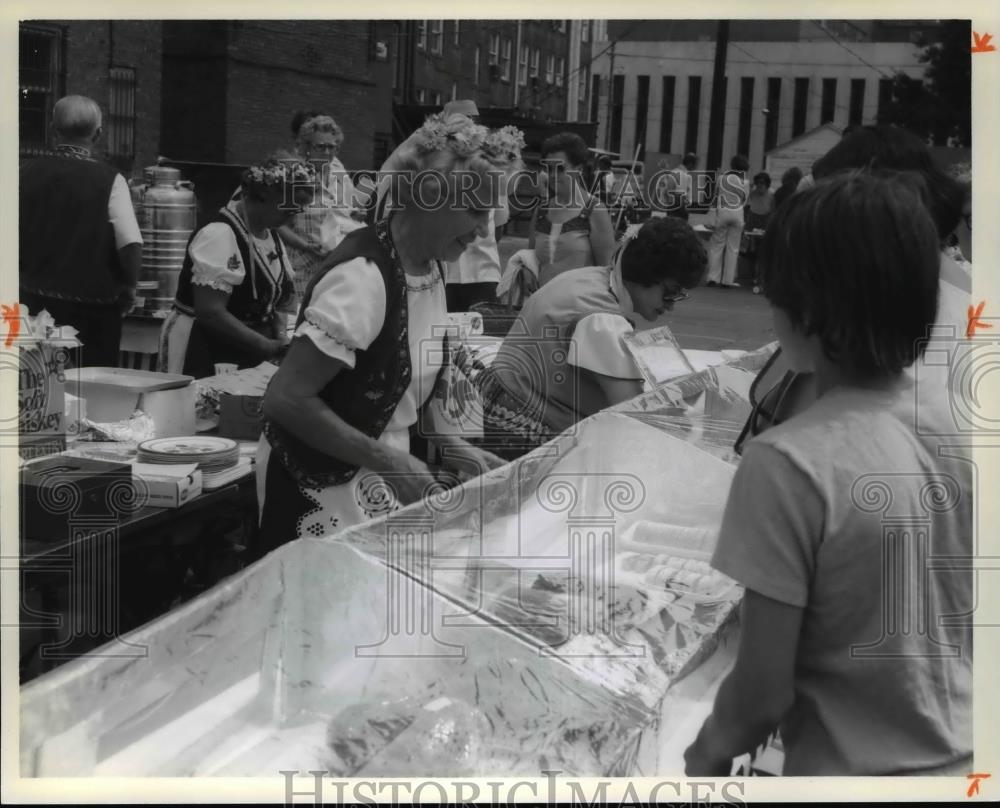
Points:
(166, 210)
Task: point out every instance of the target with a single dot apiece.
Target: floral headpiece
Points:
(280, 172)
(462, 137)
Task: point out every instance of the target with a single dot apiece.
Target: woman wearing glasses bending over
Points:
(851, 273)
(564, 358)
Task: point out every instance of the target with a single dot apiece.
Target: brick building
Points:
(521, 65)
(230, 88)
(115, 62)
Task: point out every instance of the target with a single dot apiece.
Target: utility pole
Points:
(717, 112)
(611, 95)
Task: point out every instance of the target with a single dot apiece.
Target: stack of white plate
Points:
(210, 453)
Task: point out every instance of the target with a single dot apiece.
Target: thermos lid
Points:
(161, 174)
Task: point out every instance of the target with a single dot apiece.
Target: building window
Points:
(584, 83)
(884, 97)
(667, 115)
(746, 116)
(773, 112)
(458, 39)
(641, 114)
(693, 110)
(561, 25)
(536, 57)
(522, 66)
(585, 31)
(421, 34)
(550, 68)
(799, 106)
(828, 105)
(617, 105)
(857, 108)
(40, 84)
(475, 67)
(595, 98)
(435, 99)
(120, 126)
(495, 49)
(560, 71)
(421, 96)
(437, 36)
(508, 46)
(454, 90)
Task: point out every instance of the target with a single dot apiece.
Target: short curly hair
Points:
(664, 249)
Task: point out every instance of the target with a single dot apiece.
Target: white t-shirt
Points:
(121, 214)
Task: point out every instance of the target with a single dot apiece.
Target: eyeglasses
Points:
(675, 294)
(767, 406)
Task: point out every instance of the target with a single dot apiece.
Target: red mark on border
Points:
(11, 316)
(982, 43)
(974, 315)
(974, 786)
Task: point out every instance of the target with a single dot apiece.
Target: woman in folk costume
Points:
(369, 345)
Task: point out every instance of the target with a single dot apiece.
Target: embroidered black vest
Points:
(367, 395)
(255, 300)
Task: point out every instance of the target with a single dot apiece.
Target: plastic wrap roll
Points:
(663, 536)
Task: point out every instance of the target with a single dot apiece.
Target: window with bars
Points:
(884, 98)
(40, 83)
(437, 36)
(693, 110)
(522, 66)
(595, 98)
(641, 114)
(745, 123)
(495, 49)
(560, 71)
(585, 31)
(550, 68)
(421, 34)
(536, 57)
(508, 47)
(799, 103)
(119, 125)
(773, 113)
(667, 119)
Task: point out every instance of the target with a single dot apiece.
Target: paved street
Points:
(712, 319)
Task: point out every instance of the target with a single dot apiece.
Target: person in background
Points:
(569, 228)
(568, 337)
(804, 528)
(369, 346)
(724, 244)
(80, 250)
(235, 288)
(319, 228)
(789, 183)
(474, 276)
(674, 190)
(760, 202)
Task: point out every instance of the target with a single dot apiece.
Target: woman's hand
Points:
(409, 477)
(467, 460)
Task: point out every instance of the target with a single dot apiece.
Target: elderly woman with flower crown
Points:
(369, 349)
(235, 287)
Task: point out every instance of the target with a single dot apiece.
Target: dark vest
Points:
(367, 395)
(243, 304)
(67, 244)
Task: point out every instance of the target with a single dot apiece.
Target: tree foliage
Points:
(939, 107)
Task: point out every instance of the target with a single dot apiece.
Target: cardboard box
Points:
(41, 383)
(168, 486)
(58, 491)
(239, 416)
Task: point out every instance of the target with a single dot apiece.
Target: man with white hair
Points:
(80, 246)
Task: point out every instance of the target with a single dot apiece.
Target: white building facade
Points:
(775, 91)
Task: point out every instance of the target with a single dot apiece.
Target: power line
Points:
(836, 39)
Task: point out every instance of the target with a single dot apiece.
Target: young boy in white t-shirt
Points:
(854, 642)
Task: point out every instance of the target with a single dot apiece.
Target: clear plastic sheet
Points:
(532, 619)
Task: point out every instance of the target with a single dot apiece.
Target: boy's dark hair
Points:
(301, 116)
(739, 163)
(887, 147)
(763, 177)
(569, 142)
(855, 262)
(664, 248)
(690, 161)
